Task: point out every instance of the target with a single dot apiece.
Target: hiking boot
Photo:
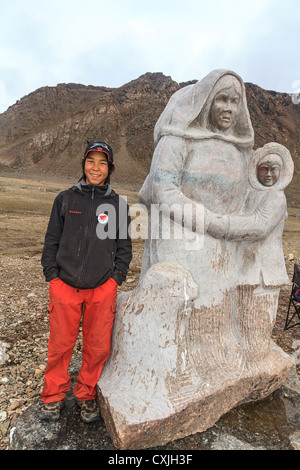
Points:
(51, 411)
(89, 411)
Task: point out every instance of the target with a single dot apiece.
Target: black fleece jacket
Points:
(87, 239)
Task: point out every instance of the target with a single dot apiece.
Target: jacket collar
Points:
(105, 189)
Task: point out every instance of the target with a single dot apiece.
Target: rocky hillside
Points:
(46, 131)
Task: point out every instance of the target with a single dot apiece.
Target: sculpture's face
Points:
(224, 109)
(268, 172)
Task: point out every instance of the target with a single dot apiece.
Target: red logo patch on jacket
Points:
(103, 218)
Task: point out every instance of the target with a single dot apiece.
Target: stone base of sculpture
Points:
(174, 369)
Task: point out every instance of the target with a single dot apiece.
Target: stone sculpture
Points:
(193, 340)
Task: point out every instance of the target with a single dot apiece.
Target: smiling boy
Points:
(96, 168)
(84, 270)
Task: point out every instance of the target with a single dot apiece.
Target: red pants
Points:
(66, 307)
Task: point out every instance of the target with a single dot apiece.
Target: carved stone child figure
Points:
(261, 263)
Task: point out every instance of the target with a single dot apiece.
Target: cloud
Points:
(111, 43)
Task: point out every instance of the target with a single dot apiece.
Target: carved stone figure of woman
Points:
(193, 320)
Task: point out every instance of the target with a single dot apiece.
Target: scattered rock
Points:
(3, 416)
(14, 405)
(295, 440)
(227, 442)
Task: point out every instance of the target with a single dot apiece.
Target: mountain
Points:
(45, 132)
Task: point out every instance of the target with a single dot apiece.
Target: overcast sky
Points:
(109, 43)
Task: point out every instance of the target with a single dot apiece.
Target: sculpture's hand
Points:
(218, 225)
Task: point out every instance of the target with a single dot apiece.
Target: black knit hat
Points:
(100, 147)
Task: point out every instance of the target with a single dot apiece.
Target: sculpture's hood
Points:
(187, 113)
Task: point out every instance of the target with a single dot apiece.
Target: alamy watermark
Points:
(296, 94)
(158, 222)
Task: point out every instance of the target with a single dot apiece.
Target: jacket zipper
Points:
(113, 262)
(87, 240)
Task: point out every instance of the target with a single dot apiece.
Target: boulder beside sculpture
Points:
(193, 340)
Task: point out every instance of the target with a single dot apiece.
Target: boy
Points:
(86, 255)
